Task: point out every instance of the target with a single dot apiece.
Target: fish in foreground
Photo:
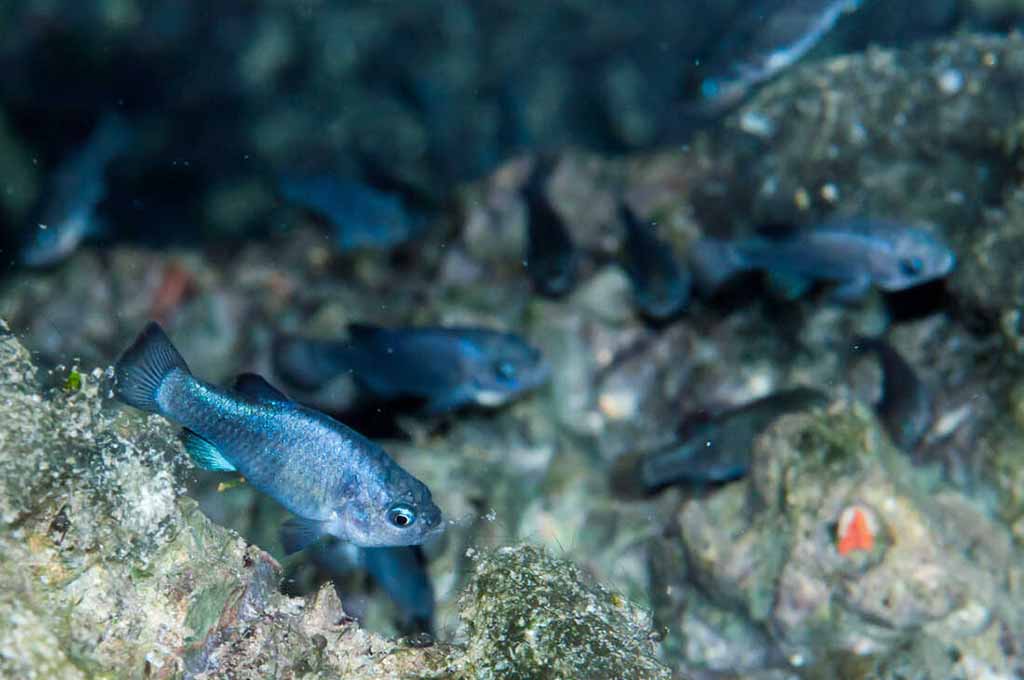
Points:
(400, 572)
(333, 479)
(661, 287)
(78, 186)
(360, 216)
(445, 368)
(906, 406)
(854, 253)
(551, 257)
(778, 34)
(714, 451)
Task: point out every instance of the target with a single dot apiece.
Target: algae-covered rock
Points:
(840, 551)
(929, 134)
(107, 571)
(530, 615)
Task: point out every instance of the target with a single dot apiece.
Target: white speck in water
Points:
(757, 124)
(830, 192)
(951, 81)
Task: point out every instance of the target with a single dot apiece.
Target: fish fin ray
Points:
(299, 533)
(256, 386)
(142, 368)
(204, 454)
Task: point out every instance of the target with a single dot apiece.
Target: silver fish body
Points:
(855, 253)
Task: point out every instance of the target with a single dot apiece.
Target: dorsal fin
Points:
(363, 331)
(256, 386)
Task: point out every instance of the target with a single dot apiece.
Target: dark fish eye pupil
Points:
(402, 517)
(505, 370)
(911, 266)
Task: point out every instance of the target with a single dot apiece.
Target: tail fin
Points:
(714, 262)
(142, 368)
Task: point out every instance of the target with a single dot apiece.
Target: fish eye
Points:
(911, 266)
(505, 370)
(401, 516)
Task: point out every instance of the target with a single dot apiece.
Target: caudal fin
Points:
(714, 263)
(142, 368)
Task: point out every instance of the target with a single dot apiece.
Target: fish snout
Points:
(433, 520)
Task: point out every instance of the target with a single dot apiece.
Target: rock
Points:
(772, 547)
(106, 570)
(929, 134)
(531, 615)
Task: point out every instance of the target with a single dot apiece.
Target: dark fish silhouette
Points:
(446, 368)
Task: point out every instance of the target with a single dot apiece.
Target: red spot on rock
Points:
(854, 531)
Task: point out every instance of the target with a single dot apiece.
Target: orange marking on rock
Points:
(854, 532)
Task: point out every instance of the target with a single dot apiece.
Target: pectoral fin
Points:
(788, 286)
(852, 291)
(299, 533)
(204, 453)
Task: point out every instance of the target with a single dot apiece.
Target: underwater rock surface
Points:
(838, 557)
(107, 571)
(777, 547)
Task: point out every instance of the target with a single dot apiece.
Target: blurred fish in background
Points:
(711, 452)
(400, 572)
(768, 37)
(444, 368)
(78, 186)
(854, 253)
(359, 216)
(661, 286)
(551, 258)
(906, 406)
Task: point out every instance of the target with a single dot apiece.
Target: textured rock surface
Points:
(769, 546)
(107, 571)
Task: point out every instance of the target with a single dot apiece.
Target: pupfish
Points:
(775, 35)
(400, 572)
(906, 406)
(335, 481)
(854, 253)
(445, 368)
(551, 257)
(717, 450)
(360, 216)
(78, 185)
(661, 286)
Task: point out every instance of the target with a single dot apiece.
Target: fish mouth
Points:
(948, 263)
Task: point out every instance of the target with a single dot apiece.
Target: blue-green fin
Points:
(788, 286)
(257, 387)
(299, 533)
(204, 454)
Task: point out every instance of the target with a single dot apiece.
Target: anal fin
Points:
(299, 533)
